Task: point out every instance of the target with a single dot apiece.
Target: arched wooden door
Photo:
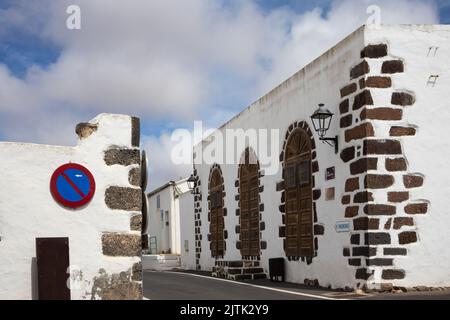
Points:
(217, 224)
(249, 207)
(298, 188)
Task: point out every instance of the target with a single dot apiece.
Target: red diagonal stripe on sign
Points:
(73, 185)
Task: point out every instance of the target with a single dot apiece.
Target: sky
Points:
(170, 62)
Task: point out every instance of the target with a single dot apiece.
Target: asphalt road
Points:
(186, 286)
(189, 286)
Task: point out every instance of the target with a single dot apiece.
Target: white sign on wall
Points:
(342, 226)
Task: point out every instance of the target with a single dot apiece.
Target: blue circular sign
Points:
(72, 185)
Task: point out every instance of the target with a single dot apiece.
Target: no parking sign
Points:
(72, 185)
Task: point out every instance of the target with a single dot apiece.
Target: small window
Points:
(158, 202)
(303, 173)
(162, 215)
(215, 200)
(212, 199)
(290, 177)
(167, 218)
(186, 245)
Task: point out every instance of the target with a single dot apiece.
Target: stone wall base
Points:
(238, 270)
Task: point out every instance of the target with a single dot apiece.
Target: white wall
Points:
(297, 98)
(294, 100)
(156, 226)
(168, 236)
(428, 260)
(186, 204)
(28, 211)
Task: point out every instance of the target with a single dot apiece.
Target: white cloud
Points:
(161, 168)
(315, 32)
(166, 59)
(170, 154)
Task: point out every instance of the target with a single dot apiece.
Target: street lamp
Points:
(321, 120)
(192, 183)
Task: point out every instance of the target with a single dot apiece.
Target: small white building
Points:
(374, 214)
(170, 222)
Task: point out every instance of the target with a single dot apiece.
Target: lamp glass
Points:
(191, 182)
(321, 120)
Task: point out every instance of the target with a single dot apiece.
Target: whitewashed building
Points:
(51, 251)
(170, 226)
(372, 215)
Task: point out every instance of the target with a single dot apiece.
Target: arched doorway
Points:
(216, 213)
(299, 198)
(249, 219)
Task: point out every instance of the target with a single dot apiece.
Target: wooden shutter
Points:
(249, 207)
(292, 216)
(245, 214)
(306, 240)
(298, 189)
(217, 224)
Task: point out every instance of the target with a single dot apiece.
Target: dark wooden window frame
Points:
(249, 206)
(217, 213)
(299, 196)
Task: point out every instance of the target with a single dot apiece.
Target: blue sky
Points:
(296, 5)
(20, 50)
(302, 5)
(145, 58)
(444, 11)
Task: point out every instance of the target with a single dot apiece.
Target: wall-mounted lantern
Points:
(321, 120)
(192, 184)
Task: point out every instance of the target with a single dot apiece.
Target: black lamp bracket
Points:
(333, 142)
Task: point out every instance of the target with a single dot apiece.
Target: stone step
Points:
(252, 270)
(238, 263)
(217, 268)
(242, 270)
(233, 270)
(254, 276)
(250, 263)
(238, 277)
(238, 270)
(259, 276)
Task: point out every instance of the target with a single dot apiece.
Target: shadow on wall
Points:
(34, 280)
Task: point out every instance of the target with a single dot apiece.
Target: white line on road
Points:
(255, 286)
